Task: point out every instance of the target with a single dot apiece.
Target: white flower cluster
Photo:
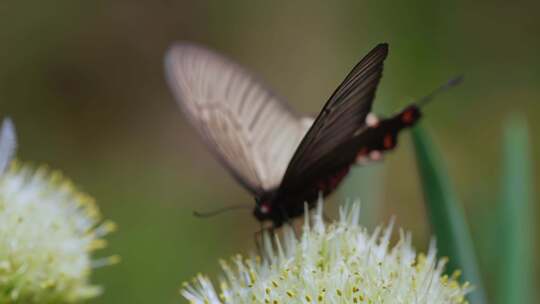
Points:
(47, 232)
(336, 263)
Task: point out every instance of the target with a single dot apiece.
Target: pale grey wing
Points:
(8, 144)
(251, 132)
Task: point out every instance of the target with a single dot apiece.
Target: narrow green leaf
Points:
(446, 215)
(516, 219)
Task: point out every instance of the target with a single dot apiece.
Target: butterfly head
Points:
(263, 209)
(266, 209)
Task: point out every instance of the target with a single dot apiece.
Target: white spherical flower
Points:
(336, 263)
(47, 232)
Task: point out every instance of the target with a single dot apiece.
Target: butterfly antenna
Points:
(451, 83)
(219, 211)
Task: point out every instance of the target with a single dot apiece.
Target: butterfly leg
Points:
(297, 233)
(287, 220)
(326, 218)
(259, 236)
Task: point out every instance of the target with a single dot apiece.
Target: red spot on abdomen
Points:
(408, 117)
(388, 142)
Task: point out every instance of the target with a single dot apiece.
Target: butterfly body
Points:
(279, 207)
(375, 140)
(284, 159)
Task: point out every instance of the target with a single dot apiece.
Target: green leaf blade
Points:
(516, 226)
(446, 215)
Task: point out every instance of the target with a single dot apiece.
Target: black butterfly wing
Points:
(343, 115)
(248, 128)
(378, 139)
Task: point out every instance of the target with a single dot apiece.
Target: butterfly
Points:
(282, 158)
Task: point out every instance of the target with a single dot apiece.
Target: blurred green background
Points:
(83, 81)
